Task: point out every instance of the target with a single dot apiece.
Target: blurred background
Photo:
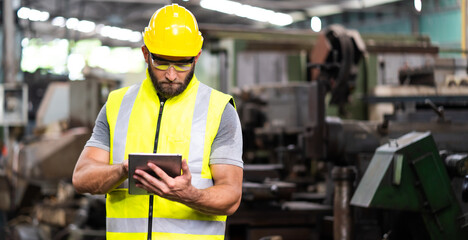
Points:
(354, 112)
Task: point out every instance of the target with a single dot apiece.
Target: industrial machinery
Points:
(38, 200)
(408, 174)
(298, 155)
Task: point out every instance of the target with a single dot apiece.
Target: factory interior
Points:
(354, 113)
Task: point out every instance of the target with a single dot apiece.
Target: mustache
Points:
(170, 82)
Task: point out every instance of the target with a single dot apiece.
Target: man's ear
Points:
(198, 55)
(145, 51)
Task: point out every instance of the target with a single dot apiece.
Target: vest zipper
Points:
(150, 217)
(158, 126)
(151, 197)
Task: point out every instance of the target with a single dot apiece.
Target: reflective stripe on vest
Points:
(122, 123)
(166, 225)
(118, 150)
(197, 144)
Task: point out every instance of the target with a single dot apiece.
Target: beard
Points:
(168, 89)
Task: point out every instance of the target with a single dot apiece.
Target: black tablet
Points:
(169, 163)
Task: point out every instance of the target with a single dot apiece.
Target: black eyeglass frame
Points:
(154, 57)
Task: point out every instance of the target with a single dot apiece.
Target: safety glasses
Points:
(164, 64)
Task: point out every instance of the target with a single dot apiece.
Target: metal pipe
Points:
(343, 178)
(9, 59)
(463, 27)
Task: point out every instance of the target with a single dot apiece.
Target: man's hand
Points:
(223, 198)
(178, 189)
(125, 166)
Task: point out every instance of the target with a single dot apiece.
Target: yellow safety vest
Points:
(189, 123)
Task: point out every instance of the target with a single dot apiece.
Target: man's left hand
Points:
(178, 189)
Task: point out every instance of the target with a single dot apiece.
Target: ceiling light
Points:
(32, 14)
(247, 11)
(119, 33)
(72, 23)
(59, 21)
(228, 7)
(418, 5)
(359, 4)
(316, 24)
(86, 26)
(324, 10)
(81, 25)
(23, 13)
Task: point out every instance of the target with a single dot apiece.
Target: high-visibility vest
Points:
(188, 126)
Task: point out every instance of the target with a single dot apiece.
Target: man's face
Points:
(170, 82)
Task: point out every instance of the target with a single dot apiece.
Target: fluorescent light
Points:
(228, 7)
(59, 21)
(359, 4)
(32, 14)
(135, 37)
(316, 24)
(86, 26)
(324, 10)
(119, 33)
(72, 23)
(23, 13)
(418, 5)
(81, 25)
(247, 11)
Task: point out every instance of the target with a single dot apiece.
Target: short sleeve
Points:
(100, 137)
(227, 145)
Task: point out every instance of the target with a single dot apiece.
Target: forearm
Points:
(223, 198)
(93, 173)
(98, 178)
(216, 200)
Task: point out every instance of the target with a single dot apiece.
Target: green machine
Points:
(407, 174)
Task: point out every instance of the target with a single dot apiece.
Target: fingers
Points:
(148, 182)
(185, 167)
(159, 172)
(143, 183)
(164, 186)
(125, 166)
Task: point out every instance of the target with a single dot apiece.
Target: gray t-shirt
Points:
(226, 147)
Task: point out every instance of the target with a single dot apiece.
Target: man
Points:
(169, 112)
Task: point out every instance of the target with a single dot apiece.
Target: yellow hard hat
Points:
(173, 31)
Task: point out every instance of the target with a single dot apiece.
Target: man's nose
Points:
(171, 74)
